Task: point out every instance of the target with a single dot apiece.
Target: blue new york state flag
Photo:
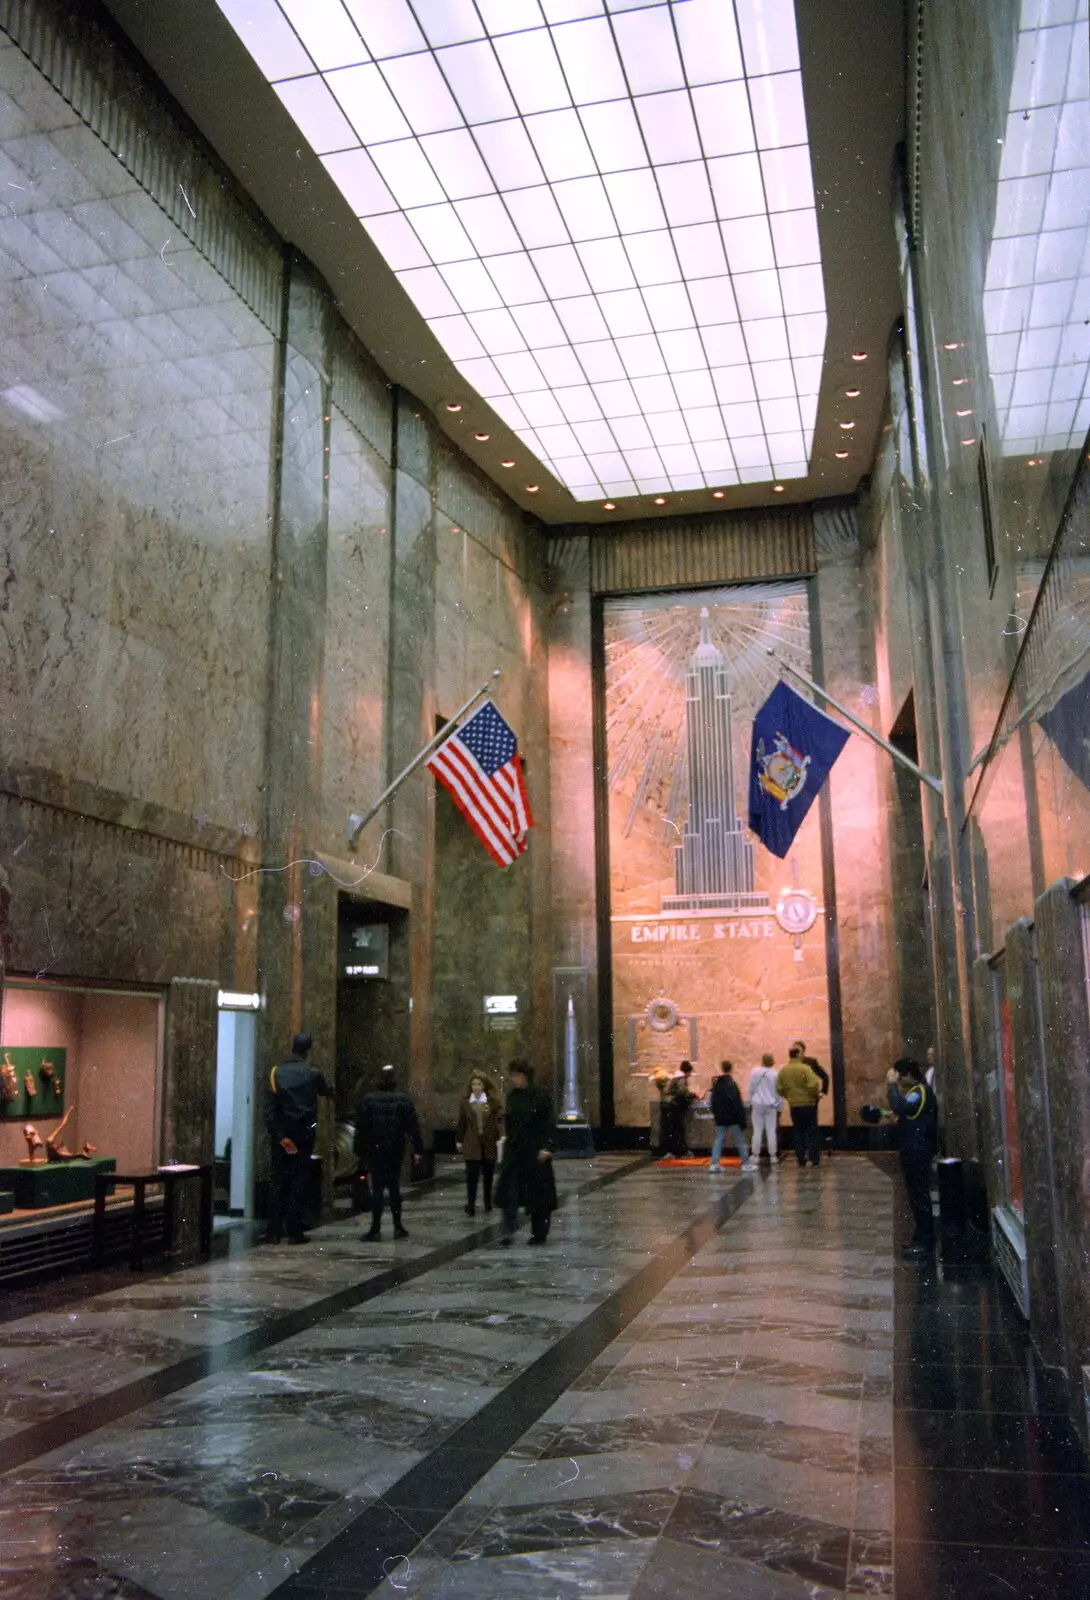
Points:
(794, 747)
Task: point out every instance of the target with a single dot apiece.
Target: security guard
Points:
(291, 1116)
(917, 1134)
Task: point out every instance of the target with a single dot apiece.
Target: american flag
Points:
(480, 766)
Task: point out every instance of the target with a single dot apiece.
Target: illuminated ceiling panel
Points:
(1037, 289)
(603, 209)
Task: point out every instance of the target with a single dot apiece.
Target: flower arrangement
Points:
(661, 1079)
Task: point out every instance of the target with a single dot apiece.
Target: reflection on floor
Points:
(706, 1385)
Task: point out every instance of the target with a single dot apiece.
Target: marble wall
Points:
(1062, 944)
(135, 394)
(242, 578)
(986, 477)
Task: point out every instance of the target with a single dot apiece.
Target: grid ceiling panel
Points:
(603, 209)
(1037, 288)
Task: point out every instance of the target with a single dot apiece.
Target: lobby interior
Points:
(615, 359)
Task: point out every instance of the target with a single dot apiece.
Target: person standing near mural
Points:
(675, 1108)
(801, 1088)
(764, 1103)
(815, 1066)
(730, 1117)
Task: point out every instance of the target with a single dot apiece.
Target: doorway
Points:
(373, 994)
(235, 1052)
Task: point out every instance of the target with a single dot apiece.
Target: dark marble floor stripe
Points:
(68, 1426)
(39, 1298)
(356, 1561)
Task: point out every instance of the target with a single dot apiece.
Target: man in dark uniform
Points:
(385, 1118)
(526, 1173)
(291, 1116)
(917, 1133)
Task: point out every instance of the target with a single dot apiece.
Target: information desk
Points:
(168, 1179)
(55, 1183)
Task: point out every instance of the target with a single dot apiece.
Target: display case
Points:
(79, 1088)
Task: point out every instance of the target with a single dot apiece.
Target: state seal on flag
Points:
(783, 770)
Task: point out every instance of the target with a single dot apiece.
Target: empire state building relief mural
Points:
(718, 946)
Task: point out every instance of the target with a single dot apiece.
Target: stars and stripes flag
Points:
(479, 764)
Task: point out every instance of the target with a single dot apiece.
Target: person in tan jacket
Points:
(801, 1088)
(480, 1123)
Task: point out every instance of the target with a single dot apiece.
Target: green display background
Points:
(45, 1104)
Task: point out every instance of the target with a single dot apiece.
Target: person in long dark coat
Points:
(291, 1116)
(526, 1179)
(385, 1118)
(480, 1123)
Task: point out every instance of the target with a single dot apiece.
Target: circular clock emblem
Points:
(662, 1015)
(796, 911)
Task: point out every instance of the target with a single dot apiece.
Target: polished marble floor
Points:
(714, 1386)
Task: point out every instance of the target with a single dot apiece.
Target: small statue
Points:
(55, 1151)
(30, 1086)
(9, 1082)
(47, 1073)
(33, 1142)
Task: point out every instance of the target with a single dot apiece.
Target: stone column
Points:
(953, 1071)
(1063, 975)
(295, 943)
(411, 712)
(987, 1085)
(572, 801)
(1038, 1158)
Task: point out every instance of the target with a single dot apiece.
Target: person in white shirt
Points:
(765, 1105)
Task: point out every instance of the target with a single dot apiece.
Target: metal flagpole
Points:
(890, 749)
(358, 820)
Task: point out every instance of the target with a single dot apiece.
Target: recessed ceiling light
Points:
(968, 441)
(777, 488)
(532, 488)
(842, 455)
(454, 405)
(1035, 461)
(481, 437)
(507, 463)
(717, 494)
(966, 413)
(660, 500)
(859, 355)
(609, 506)
(853, 394)
(953, 345)
(957, 382)
(847, 426)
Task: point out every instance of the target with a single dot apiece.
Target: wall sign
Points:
(501, 1012)
(365, 951)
